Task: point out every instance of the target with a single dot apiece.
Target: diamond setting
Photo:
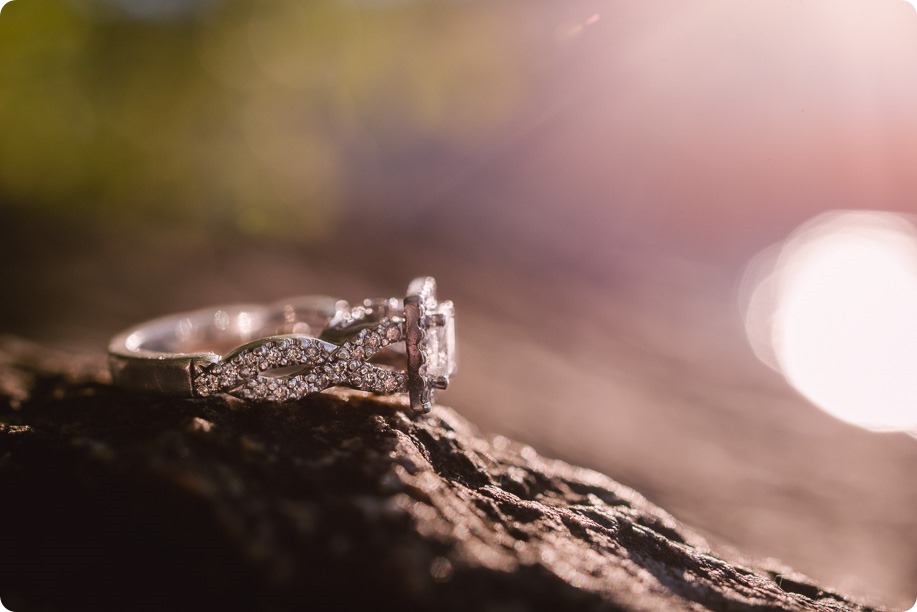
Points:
(291, 367)
(430, 342)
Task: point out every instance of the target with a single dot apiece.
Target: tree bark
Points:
(116, 501)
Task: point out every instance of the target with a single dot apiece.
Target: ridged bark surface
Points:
(116, 501)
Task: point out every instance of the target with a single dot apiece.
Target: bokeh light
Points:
(835, 310)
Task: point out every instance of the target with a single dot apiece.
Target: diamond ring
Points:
(295, 348)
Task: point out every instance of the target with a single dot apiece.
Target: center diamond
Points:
(439, 343)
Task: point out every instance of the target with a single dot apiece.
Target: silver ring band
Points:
(294, 348)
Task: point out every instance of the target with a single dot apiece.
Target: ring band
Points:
(294, 348)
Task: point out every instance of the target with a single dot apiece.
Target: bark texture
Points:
(114, 501)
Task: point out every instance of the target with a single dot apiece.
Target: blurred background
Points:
(677, 234)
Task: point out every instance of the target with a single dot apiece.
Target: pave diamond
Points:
(285, 368)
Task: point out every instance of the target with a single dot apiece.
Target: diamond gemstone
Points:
(244, 374)
(440, 343)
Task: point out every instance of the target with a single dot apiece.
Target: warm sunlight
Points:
(835, 310)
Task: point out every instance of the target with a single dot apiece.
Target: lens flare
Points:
(835, 310)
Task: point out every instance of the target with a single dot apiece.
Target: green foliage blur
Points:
(238, 115)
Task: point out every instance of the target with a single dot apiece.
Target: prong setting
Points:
(436, 319)
(430, 342)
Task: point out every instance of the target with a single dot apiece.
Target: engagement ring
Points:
(295, 348)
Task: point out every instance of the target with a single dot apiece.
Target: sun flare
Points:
(839, 311)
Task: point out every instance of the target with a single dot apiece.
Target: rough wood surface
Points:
(112, 501)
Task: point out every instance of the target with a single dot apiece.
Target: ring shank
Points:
(158, 357)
